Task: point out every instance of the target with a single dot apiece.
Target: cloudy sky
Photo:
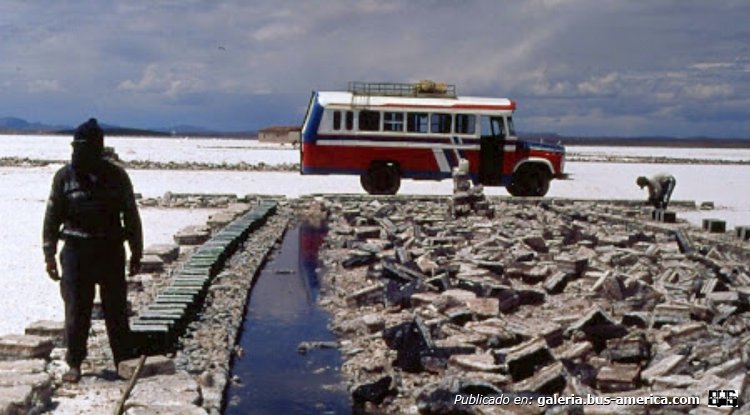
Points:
(580, 67)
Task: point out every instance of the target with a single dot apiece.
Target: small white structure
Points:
(279, 134)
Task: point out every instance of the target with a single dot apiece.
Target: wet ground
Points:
(273, 376)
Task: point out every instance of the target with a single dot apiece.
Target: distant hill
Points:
(655, 141)
(13, 125)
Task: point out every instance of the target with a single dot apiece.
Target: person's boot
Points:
(73, 375)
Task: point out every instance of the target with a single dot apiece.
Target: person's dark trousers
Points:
(86, 263)
(666, 193)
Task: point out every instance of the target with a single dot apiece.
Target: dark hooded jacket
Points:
(91, 198)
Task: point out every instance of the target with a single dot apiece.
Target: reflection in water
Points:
(282, 313)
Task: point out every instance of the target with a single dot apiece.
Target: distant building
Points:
(279, 134)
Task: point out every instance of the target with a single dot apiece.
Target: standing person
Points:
(92, 208)
(660, 187)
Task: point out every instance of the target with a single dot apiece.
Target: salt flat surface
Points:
(251, 151)
(29, 295)
(156, 149)
(734, 154)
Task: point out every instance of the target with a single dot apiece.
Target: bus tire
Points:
(530, 180)
(381, 179)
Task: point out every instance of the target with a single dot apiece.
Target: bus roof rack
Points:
(421, 89)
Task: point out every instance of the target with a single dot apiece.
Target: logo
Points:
(722, 398)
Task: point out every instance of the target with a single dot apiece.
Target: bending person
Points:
(660, 188)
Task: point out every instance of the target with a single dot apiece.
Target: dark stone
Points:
(411, 340)
(359, 259)
(460, 315)
(495, 267)
(636, 319)
(714, 225)
(525, 359)
(556, 282)
(531, 297)
(598, 327)
(400, 294)
(683, 242)
(306, 346)
(374, 392)
(441, 282)
(401, 273)
(628, 350)
(509, 301)
(402, 255)
(585, 373)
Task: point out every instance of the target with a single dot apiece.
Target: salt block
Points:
(38, 381)
(484, 307)
(154, 365)
(166, 410)
(151, 263)
(743, 232)
(23, 366)
(179, 389)
(15, 346)
(192, 235)
(476, 362)
(714, 225)
(167, 252)
(55, 330)
(15, 399)
(220, 219)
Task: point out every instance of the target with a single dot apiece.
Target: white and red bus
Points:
(386, 132)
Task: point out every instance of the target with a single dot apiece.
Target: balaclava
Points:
(88, 145)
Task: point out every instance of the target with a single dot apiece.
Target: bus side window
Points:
(393, 121)
(511, 128)
(416, 122)
(440, 123)
(349, 120)
(465, 123)
(369, 120)
(337, 120)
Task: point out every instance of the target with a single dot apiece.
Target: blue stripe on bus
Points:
(525, 145)
(316, 113)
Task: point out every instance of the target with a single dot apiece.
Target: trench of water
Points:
(273, 376)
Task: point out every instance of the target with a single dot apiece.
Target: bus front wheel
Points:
(381, 179)
(530, 180)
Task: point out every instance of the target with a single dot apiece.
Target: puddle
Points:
(282, 313)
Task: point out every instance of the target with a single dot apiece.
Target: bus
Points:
(385, 132)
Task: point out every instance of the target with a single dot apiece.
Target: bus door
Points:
(491, 150)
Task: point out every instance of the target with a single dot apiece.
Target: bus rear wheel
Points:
(381, 179)
(530, 180)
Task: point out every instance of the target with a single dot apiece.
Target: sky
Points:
(574, 67)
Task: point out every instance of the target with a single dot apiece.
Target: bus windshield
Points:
(492, 126)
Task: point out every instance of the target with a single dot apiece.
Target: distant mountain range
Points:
(12, 125)
(18, 125)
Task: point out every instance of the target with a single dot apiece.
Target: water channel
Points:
(283, 312)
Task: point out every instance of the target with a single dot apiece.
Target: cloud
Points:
(601, 85)
(44, 85)
(583, 63)
(707, 92)
(170, 81)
